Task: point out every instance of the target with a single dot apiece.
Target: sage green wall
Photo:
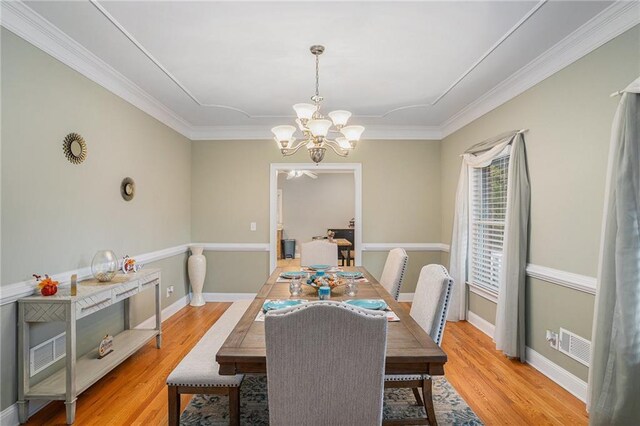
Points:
(230, 189)
(374, 262)
(56, 215)
(569, 118)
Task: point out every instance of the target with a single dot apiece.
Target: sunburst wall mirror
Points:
(74, 148)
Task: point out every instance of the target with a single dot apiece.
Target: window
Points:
(488, 205)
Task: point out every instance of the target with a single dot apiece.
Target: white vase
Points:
(197, 268)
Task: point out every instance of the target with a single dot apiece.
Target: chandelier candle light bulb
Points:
(315, 127)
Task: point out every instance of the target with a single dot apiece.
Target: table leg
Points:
(23, 363)
(127, 313)
(70, 360)
(71, 411)
(428, 401)
(158, 318)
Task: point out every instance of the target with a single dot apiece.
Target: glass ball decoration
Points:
(104, 265)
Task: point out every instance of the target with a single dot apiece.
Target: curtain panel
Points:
(614, 374)
(509, 332)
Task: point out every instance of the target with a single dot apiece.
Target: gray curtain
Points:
(510, 314)
(614, 375)
(509, 332)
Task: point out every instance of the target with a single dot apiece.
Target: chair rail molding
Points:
(234, 246)
(578, 282)
(406, 246)
(12, 292)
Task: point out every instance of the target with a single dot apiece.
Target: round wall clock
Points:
(74, 148)
(127, 189)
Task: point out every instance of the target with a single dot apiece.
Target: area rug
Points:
(203, 410)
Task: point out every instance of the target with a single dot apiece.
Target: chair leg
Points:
(416, 393)
(234, 406)
(428, 401)
(174, 406)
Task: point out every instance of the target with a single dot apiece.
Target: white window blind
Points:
(488, 201)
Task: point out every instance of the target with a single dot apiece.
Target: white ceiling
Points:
(242, 64)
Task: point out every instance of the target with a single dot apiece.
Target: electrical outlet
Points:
(552, 338)
(253, 226)
(169, 291)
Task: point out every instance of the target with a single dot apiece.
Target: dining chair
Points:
(319, 252)
(429, 309)
(393, 272)
(325, 364)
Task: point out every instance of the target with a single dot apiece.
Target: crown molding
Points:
(373, 132)
(608, 24)
(21, 20)
(30, 26)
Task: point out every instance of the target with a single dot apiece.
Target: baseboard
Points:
(9, 416)
(228, 297)
(571, 383)
(481, 324)
(405, 297)
(166, 312)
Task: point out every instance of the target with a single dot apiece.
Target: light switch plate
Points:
(253, 226)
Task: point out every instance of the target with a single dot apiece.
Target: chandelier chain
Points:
(317, 76)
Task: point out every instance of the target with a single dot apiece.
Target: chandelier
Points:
(316, 128)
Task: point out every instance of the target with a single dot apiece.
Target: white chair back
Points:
(319, 252)
(431, 300)
(325, 365)
(393, 272)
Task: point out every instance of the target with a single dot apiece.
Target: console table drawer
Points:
(125, 291)
(89, 305)
(149, 281)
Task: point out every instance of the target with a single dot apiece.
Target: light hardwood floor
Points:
(500, 391)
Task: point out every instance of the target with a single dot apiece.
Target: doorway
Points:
(307, 186)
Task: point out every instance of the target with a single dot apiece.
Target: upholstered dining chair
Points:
(429, 309)
(325, 364)
(393, 272)
(319, 252)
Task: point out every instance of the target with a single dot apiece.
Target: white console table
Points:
(78, 374)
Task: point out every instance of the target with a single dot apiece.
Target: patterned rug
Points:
(203, 410)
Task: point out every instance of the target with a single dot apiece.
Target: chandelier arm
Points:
(336, 148)
(290, 151)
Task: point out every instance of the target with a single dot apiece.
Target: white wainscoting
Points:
(12, 292)
(573, 384)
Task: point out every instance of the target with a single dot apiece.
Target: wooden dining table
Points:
(410, 350)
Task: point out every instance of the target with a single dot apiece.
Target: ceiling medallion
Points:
(316, 128)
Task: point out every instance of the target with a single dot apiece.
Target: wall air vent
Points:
(575, 346)
(46, 353)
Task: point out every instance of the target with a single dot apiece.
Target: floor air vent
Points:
(575, 346)
(46, 353)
